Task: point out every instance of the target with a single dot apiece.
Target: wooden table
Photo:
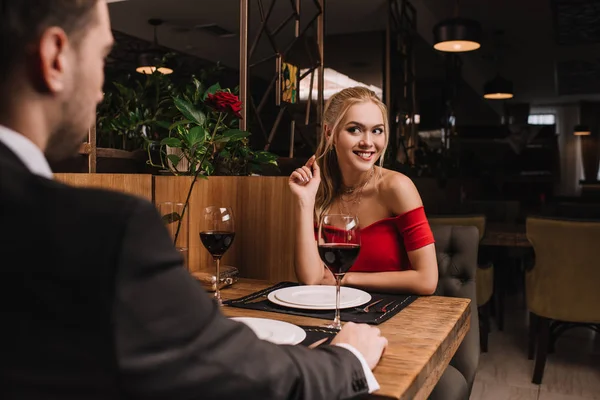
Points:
(422, 339)
(505, 235)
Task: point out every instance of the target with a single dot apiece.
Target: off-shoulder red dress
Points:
(385, 243)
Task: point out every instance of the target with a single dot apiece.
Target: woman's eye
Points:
(354, 129)
(378, 131)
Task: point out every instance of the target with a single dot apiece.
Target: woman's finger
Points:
(307, 171)
(303, 174)
(297, 177)
(310, 161)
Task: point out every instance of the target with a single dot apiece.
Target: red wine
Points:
(338, 257)
(217, 242)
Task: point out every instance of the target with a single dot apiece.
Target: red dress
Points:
(384, 244)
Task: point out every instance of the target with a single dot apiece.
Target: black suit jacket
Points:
(95, 304)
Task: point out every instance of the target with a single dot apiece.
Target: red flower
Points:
(225, 102)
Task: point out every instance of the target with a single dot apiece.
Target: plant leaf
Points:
(170, 218)
(211, 90)
(189, 112)
(179, 123)
(221, 139)
(264, 157)
(163, 124)
(174, 159)
(171, 142)
(235, 134)
(195, 136)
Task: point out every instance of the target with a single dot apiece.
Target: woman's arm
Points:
(304, 183)
(400, 195)
(420, 280)
(309, 267)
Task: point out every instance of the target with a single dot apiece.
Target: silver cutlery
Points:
(368, 307)
(384, 308)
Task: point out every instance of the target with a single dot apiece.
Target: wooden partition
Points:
(262, 206)
(135, 184)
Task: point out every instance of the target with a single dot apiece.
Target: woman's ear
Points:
(328, 133)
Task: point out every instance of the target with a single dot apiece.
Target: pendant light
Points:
(151, 60)
(582, 130)
(498, 89)
(457, 35)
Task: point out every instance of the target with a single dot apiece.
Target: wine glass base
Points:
(333, 325)
(218, 300)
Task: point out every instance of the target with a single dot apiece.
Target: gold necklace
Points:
(356, 198)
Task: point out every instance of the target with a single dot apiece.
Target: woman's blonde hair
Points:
(335, 110)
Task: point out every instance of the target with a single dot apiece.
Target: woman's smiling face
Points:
(361, 138)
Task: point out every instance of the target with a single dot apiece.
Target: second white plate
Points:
(274, 331)
(318, 297)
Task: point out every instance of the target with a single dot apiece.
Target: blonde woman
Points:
(397, 246)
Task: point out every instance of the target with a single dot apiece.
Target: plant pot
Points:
(183, 165)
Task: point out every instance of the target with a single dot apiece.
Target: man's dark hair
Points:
(23, 21)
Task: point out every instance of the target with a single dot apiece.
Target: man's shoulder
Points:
(87, 200)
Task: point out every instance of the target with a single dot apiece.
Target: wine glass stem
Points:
(336, 321)
(218, 281)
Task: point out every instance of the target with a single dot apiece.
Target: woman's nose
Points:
(366, 141)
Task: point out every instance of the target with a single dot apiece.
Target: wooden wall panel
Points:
(262, 208)
(135, 184)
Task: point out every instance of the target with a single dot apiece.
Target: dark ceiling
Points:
(550, 49)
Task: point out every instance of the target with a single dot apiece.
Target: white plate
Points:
(274, 331)
(318, 297)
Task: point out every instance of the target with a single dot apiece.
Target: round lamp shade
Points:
(498, 89)
(582, 130)
(149, 62)
(457, 35)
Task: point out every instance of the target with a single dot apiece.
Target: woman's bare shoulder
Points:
(398, 191)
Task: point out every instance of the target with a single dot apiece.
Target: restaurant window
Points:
(541, 119)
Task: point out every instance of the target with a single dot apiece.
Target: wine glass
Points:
(217, 232)
(339, 245)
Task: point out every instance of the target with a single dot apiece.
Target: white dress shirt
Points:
(26, 151)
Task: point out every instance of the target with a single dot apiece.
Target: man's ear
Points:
(53, 61)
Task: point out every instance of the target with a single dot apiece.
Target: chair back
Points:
(563, 284)
(476, 220)
(456, 248)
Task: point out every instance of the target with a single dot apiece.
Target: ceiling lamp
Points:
(457, 35)
(582, 130)
(498, 89)
(151, 60)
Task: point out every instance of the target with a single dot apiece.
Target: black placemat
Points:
(394, 303)
(315, 333)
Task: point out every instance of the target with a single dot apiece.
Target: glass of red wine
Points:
(217, 232)
(339, 245)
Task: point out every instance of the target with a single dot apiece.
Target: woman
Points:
(397, 251)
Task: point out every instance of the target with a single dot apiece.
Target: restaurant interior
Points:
(494, 114)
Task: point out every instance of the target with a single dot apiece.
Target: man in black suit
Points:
(94, 300)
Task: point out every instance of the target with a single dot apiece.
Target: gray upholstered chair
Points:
(485, 271)
(456, 248)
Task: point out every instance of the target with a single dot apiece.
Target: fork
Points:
(384, 308)
(368, 307)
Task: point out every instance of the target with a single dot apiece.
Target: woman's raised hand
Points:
(304, 181)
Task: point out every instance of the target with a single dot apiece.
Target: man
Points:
(95, 303)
